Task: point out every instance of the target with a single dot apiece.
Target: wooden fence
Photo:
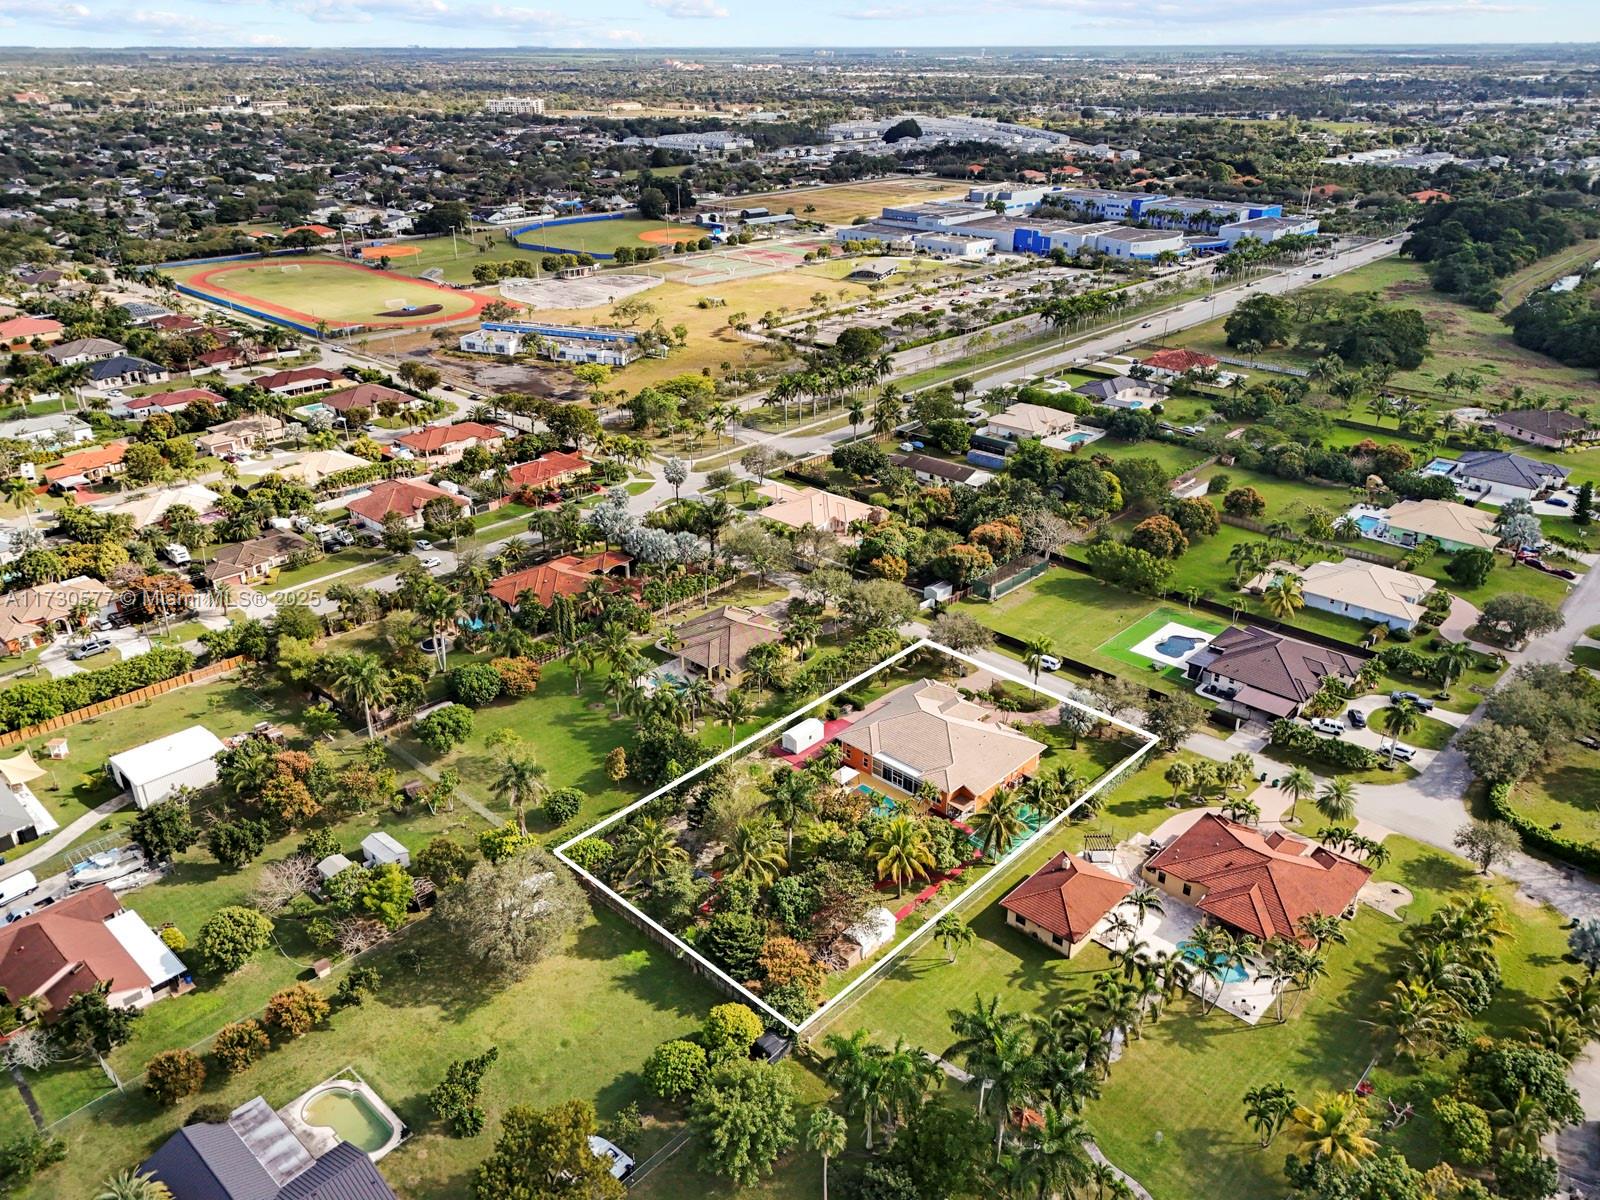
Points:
(198, 675)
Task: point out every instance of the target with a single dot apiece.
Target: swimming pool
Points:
(1368, 524)
(1078, 439)
(1440, 466)
(350, 1115)
(1234, 973)
(1176, 645)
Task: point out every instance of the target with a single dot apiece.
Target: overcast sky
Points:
(889, 23)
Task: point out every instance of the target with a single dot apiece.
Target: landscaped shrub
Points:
(475, 684)
(35, 700)
(172, 938)
(296, 1011)
(675, 1068)
(444, 727)
(1538, 837)
(729, 1031)
(455, 1100)
(617, 764)
(562, 805)
(1346, 756)
(235, 843)
(518, 676)
(231, 936)
(239, 1046)
(591, 854)
(174, 1074)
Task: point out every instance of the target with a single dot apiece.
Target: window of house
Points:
(1186, 889)
(1161, 876)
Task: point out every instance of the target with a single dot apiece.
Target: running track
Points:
(206, 280)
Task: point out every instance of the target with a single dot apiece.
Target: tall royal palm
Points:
(519, 777)
(362, 679)
(1298, 784)
(653, 851)
(999, 823)
(901, 851)
(1054, 1160)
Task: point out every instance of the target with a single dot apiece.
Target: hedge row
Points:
(36, 700)
(1539, 837)
(1340, 753)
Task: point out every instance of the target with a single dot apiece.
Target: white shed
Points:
(874, 931)
(802, 735)
(155, 770)
(332, 865)
(378, 848)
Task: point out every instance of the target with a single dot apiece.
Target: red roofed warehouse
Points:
(82, 942)
(442, 445)
(1063, 900)
(408, 497)
(564, 576)
(1260, 884)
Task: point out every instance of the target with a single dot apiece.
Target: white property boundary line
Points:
(966, 895)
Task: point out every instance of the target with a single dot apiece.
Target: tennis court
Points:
(342, 294)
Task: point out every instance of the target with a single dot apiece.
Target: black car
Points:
(1358, 719)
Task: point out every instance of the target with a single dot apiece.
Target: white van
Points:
(17, 886)
(177, 553)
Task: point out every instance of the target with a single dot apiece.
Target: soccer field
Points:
(342, 294)
(840, 204)
(603, 237)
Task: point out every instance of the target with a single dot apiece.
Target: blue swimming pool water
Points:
(1368, 523)
(1440, 466)
(1234, 974)
(1177, 645)
(1077, 439)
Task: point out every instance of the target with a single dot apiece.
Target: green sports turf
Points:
(597, 237)
(326, 290)
(1120, 646)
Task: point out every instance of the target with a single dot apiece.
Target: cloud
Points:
(44, 12)
(1225, 12)
(690, 10)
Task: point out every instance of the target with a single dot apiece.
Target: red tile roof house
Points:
(549, 470)
(22, 331)
(408, 497)
(167, 402)
(442, 445)
(568, 575)
(87, 466)
(82, 942)
(1179, 361)
(1062, 901)
(1260, 884)
(297, 382)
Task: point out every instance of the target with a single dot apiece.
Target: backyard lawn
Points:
(1565, 794)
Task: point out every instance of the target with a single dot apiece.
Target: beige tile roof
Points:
(1444, 520)
(1033, 420)
(1368, 585)
(796, 507)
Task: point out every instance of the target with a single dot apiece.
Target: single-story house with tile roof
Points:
(176, 323)
(1454, 526)
(239, 563)
(254, 1155)
(1257, 673)
(150, 507)
(408, 497)
(798, 507)
(367, 396)
(171, 403)
(125, 370)
(32, 612)
(59, 428)
(1545, 427)
(717, 643)
(237, 437)
(929, 731)
(937, 471)
(298, 381)
(312, 467)
(1123, 391)
(1501, 475)
(442, 445)
(565, 576)
(1262, 884)
(1367, 592)
(82, 942)
(1062, 901)
(22, 331)
(1177, 362)
(549, 470)
(87, 466)
(83, 350)
(1023, 421)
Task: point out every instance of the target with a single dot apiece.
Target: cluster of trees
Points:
(1469, 244)
(1542, 706)
(1356, 329)
(1564, 325)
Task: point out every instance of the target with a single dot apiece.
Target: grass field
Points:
(343, 294)
(841, 204)
(1170, 1114)
(1464, 340)
(602, 237)
(1565, 794)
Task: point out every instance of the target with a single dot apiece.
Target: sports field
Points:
(602, 237)
(342, 294)
(840, 204)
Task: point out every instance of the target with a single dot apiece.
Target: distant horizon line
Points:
(1183, 47)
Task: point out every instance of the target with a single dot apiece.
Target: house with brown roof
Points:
(565, 576)
(407, 497)
(443, 445)
(240, 436)
(31, 613)
(171, 403)
(717, 643)
(1545, 427)
(1061, 902)
(798, 507)
(83, 942)
(1175, 361)
(1253, 673)
(239, 563)
(368, 396)
(1263, 884)
(929, 731)
(297, 381)
(87, 466)
(549, 470)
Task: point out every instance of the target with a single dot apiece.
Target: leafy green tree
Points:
(746, 1115)
(231, 936)
(296, 1010)
(455, 1100)
(729, 1031)
(1470, 568)
(164, 830)
(89, 1022)
(444, 727)
(544, 1153)
(239, 1046)
(173, 1075)
(385, 894)
(443, 860)
(675, 1069)
(511, 914)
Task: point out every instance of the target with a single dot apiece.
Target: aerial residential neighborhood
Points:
(863, 616)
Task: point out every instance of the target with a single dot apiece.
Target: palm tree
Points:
(856, 1070)
(1036, 650)
(1455, 658)
(1268, 1108)
(1207, 949)
(901, 851)
(361, 679)
(1283, 596)
(790, 796)
(1180, 775)
(1419, 1016)
(1012, 1071)
(1053, 1160)
(1334, 1129)
(1115, 1005)
(1398, 717)
(1143, 900)
(826, 1135)
(953, 934)
(519, 777)
(133, 1185)
(1323, 930)
(999, 823)
(732, 709)
(1297, 785)
(754, 852)
(908, 1076)
(1337, 799)
(653, 851)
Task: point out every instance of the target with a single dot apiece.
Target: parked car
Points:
(1358, 719)
(906, 447)
(431, 562)
(1049, 662)
(89, 649)
(16, 914)
(1403, 753)
(423, 544)
(1421, 702)
(1328, 726)
(1557, 502)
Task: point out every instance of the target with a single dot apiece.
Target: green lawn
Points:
(355, 559)
(1565, 794)
(1174, 457)
(321, 288)
(603, 237)
(1170, 1114)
